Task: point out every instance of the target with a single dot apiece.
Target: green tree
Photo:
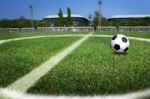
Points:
(60, 21)
(95, 18)
(40, 23)
(90, 19)
(69, 20)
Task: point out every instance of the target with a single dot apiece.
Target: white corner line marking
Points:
(24, 83)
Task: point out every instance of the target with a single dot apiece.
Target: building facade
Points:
(77, 20)
(130, 20)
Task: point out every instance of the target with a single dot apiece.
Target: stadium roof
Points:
(130, 16)
(72, 15)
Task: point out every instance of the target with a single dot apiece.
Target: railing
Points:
(80, 29)
(106, 29)
(134, 29)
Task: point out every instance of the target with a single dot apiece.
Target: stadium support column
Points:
(100, 13)
(31, 14)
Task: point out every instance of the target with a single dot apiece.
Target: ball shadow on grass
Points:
(114, 53)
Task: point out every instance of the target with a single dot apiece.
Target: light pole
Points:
(31, 14)
(100, 13)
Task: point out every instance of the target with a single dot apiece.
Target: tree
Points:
(91, 18)
(69, 20)
(105, 22)
(60, 21)
(21, 22)
(95, 19)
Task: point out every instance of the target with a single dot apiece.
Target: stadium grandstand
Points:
(130, 20)
(77, 20)
(129, 16)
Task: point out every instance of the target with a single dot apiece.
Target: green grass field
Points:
(91, 69)
(20, 57)
(29, 34)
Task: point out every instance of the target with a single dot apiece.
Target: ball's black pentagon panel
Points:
(124, 39)
(114, 37)
(126, 49)
(117, 47)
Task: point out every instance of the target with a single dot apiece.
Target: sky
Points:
(12, 9)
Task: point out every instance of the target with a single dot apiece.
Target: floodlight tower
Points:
(31, 14)
(100, 13)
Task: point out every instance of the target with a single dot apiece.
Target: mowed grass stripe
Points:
(93, 69)
(20, 57)
(12, 35)
(24, 83)
(4, 36)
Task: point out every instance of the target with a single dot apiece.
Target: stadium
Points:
(127, 19)
(71, 56)
(77, 20)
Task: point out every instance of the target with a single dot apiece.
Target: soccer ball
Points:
(120, 43)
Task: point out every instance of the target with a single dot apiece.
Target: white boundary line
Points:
(48, 36)
(133, 38)
(36, 37)
(7, 94)
(10, 91)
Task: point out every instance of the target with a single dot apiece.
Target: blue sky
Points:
(14, 8)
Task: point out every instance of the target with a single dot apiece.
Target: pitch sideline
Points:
(7, 94)
(35, 37)
(79, 35)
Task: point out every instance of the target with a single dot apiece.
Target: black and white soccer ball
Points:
(120, 43)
